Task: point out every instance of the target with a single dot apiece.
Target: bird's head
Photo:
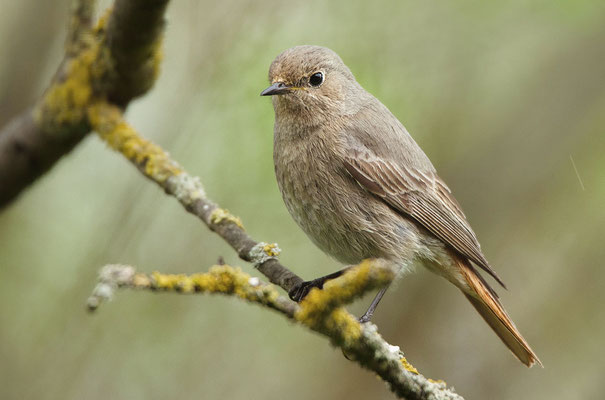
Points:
(310, 82)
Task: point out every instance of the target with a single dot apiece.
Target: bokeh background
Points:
(505, 98)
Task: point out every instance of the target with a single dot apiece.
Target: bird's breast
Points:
(340, 217)
(306, 173)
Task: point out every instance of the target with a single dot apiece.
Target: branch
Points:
(157, 165)
(118, 61)
(221, 279)
(321, 311)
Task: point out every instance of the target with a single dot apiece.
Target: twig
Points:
(157, 165)
(321, 311)
(221, 279)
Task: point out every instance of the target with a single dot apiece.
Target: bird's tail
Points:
(486, 302)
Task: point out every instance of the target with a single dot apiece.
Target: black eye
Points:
(316, 79)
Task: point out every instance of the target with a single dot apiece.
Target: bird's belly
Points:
(343, 219)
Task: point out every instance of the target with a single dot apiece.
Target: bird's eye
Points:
(316, 79)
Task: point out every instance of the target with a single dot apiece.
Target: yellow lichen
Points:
(346, 324)
(108, 121)
(219, 279)
(65, 102)
(409, 367)
(220, 214)
(437, 381)
(344, 289)
(163, 281)
(321, 309)
(271, 249)
(87, 76)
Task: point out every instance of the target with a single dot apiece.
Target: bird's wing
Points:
(421, 195)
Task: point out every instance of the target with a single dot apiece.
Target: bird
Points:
(360, 187)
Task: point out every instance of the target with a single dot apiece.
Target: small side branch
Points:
(220, 279)
(321, 312)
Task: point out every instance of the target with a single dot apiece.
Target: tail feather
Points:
(483, 298)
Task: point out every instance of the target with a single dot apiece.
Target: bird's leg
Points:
(298, 292)
(367, 316)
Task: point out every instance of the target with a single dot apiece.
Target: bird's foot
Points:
(300, 291)
(367, 317)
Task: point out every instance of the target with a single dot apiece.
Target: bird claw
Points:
(365, 318)
(301, 290)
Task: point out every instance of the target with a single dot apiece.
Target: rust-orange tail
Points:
(484, 299)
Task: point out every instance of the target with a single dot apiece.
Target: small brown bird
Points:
(360, 187)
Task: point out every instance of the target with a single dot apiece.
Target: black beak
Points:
(275, 89)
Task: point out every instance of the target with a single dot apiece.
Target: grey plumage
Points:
(360, 187)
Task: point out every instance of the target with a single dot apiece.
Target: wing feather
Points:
(422, 196)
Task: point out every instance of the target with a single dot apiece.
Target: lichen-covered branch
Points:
(118, 60)
(157, 165)
(221, 279)
(321, 311)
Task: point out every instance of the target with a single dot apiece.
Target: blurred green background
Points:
(500, 95)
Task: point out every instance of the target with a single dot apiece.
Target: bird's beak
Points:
(275, 89)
